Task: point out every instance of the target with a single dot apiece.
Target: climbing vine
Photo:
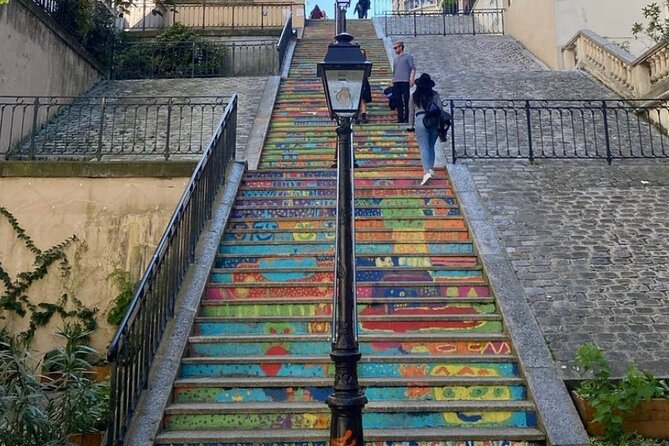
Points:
(15, 299)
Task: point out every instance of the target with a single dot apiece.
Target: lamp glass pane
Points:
(345, 88)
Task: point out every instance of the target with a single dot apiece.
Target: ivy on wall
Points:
(14, 297)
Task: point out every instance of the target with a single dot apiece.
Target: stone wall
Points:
(544, 27)
(117, 221)
(37, 60)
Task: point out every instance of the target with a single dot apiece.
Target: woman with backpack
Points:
(424, 116)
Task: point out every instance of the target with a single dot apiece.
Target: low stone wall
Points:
(118, 223)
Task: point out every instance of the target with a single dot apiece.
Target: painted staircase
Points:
(438, 367)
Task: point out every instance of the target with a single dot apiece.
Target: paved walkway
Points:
(589, 242)
(249, 90)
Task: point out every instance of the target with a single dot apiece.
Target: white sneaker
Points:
(426, 178)
(431, 172)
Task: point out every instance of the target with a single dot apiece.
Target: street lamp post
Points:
(340, 15)
(343, 71)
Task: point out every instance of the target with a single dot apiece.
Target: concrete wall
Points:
(118, 222)
(532, 22)
(612, 20)
(545, 26)
(35, 60)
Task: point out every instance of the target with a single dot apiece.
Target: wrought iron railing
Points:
(284, 39)
(107, 127)
(557, 129)
(422, 23)
(160, 60)
(134, 346)
(207, 14)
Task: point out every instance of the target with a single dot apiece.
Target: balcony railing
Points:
(421, 22)
(145, 16)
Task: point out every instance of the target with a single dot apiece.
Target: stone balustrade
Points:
(645, 77)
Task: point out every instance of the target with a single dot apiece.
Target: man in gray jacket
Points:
(404, 74)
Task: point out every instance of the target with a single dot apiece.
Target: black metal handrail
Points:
(160, 60)
(286, 35)
(424, 23)
(110, 127)
(558, 129)
(209, 14)
(134, 346)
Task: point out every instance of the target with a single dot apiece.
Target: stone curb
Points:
(556, 411)
(148, 417)
(261, 123)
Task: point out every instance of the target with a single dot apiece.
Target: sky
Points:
(328, 6)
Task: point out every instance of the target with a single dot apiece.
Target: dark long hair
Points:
(422, 96)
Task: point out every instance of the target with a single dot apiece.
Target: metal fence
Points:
(284, 39)
(143, 16)
(422, 23)
(107, 127)
(558, 129)
(133, 348)
(160, 60)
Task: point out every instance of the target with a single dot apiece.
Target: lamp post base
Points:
(346, 402)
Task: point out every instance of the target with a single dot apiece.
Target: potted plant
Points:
(70, 408)
(637, 403)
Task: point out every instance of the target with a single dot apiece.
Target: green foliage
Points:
(36, 413)
(178, 52)
(126, 288)
(609, 399)
(628, 441)
(4, 2)
(655, 26)
(450, 6)
(15, 295)
(103, 35)
(76, 16)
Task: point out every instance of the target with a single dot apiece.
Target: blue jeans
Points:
(426, 138)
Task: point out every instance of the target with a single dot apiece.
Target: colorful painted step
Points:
(438, 367)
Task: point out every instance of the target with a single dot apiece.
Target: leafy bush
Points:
(655, 27)
(36, 413)
(126, 288)
(610, 399)
(178, 52)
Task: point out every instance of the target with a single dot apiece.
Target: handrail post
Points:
(31, 154)
(167, 134)
(415, 29)
(204, 13)
(192, 65)
(103, 109)
(473, 22)
(452, 110)
(609, 155)
(529, 129)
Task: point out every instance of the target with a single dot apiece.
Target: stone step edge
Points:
(361, 301)
(389, 406)
(359, 283)
(466, 241)
(296, 381)
(371, 435)
(400, 255)
(325, 359)
(362, 338)
(332, 206)
(357, 219)
(326, 269)
(238, 229)
(365, 318)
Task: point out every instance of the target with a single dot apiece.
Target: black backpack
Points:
(432, 116)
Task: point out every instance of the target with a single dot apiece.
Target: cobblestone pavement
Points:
(590, 245)
(136, 115)
(249, 90)
(589, 242)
